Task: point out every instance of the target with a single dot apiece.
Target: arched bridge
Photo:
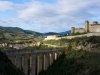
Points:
(31, 62)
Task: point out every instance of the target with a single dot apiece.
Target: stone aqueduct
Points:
(31, 62)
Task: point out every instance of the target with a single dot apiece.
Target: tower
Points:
(87, 26)
(73, 30)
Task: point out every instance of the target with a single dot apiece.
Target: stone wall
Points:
(94, 28)
(79, 30)
(87, 35)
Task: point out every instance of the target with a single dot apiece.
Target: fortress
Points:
(92, 28)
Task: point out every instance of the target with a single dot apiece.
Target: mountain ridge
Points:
(20, 30)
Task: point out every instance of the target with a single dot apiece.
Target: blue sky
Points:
(22, 1)
(48, 15)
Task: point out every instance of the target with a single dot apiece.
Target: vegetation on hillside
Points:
(76, 62)
(45, 47)
(18, 30)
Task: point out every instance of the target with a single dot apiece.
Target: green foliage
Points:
(6, 67)
(63, 66)
(8, 36)
(75, 54)
(39, 47)
(69, 48)
(76, 42)
(43, 47)
(75, 63)
(39, 39)
(93, 39)
(61, 42)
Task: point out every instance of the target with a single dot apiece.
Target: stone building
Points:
(94, 27)
(52, 37)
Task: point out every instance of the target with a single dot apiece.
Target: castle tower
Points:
(87, 26)
(95, 22)
(73, 30)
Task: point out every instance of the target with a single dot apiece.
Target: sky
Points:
(48, 15)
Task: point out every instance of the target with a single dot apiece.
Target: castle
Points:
(92, 28)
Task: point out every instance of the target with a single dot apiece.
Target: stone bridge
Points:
(31, 62)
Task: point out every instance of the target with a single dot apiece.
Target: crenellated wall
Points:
(31, 62)
(79, 30)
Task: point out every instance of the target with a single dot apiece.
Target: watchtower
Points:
(87, 26)
(73, 30)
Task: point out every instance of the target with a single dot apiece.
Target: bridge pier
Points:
(39, 62)
(44, 57)
(32, 64)
(58, 54)
(18, 61)
(25, 67)
(50, 58)
(11, 57)
(22, 66)
(46, 61)
(14, 60)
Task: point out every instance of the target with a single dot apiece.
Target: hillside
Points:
(18, 30)
(75, 63)
(6, 67)
(81, 57)
(13, 34)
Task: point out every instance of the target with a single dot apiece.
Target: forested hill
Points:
(18, 30)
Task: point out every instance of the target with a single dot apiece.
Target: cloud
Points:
(7, 5)
(59, 16)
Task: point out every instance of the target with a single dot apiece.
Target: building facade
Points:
(52, 37)
(94, 27)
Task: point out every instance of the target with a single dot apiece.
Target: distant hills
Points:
(60, 33)
(51, 33)
(66, 32)
(19, 30)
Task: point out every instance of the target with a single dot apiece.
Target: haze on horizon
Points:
(48, 15)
